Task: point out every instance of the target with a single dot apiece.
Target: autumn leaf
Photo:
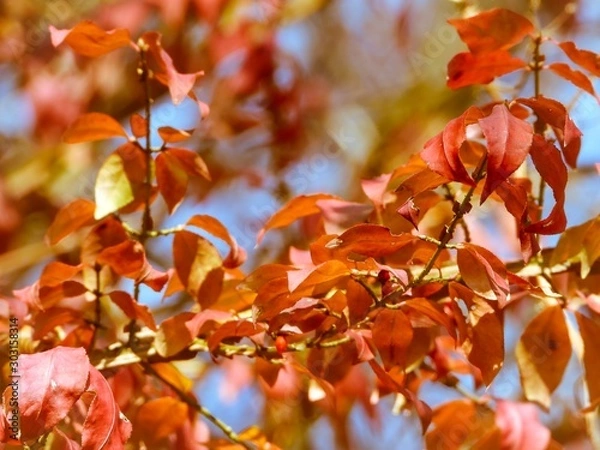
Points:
(298, 207)
(232, 330)
(483, 272)
(466, 69)
(113, 188)
(314, 280)
(543, 353)
(88, 39)
(590, 334)
(495, 29)
(50, 384)
(172, 135)
(93, 127)
(369, 240)
(555, 114)
(174, 334)
(579, 243)
(441, 153)
(180, 84)
(198, 266)
(133, 309)
(70, 218)
(237, 255)
(172, 180)
(105, 427)
(139, 125)
(508, 142)
(158, 418)
(190, 161)
(576, 77)
(392, 335)
(552, 169)
(586, 59)
(461, 424)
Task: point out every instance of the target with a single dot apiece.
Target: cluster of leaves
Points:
(373, 306)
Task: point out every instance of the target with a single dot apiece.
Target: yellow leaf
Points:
(113, 188)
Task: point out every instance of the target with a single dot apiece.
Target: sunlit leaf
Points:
(132, 308)
(491, 30)
(466, 69)
(113, 188)
(508, 142)
(520, 425)
(590, 334)
(576, 77)
(543, 353)
(586, 59)
(172, 135)
(88, 39)
(93, 127)
(236, 255)
(172, 180)
(158, 418)
(483, 272)
(139, 125)
(392, 335)
(70, 218)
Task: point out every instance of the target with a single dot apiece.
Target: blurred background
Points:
(305, 96)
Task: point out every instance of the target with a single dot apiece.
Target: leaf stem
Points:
(97, 307)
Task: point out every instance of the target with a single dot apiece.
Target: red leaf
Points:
(133, 309)
(483, 272)
(553, 171)
(555, 114)
(198, 266)
(508, 142)
(180, 84)
(126, 258)
(495, 29)
(370, 240)
(105, 427)
(441, 153)
(93, 127)
(232, 330)
(466, 69)
(521, 427)
(392, 335)
(298, 207)
(172, 180)
(590, 61)
(88, 39)
(56, 273)
(237, 255)
(576, 77)
(543, 353)
(70, 218)
(50, 384)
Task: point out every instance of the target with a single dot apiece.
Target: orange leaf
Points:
(508, 142)
(320, 279)
(590, 334)
(552, 169)
(232, 330)
(88, 39)
(441, 153)
(198, 266)
(126, 258)
(483, 272)
(156, 419)
(543, 353)
(70, 218)
(301, 206)
(576, 77)
(132, 308)
(392, 335)
(496, 29)
(171, 135)
(466, 69)
(172, 180)
(93, 127)
(174, 334)
(237, 255)
(139, 125)
(580, 243)
(590, 61)
(191, 162)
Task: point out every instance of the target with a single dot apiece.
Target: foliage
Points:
(380, 302)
